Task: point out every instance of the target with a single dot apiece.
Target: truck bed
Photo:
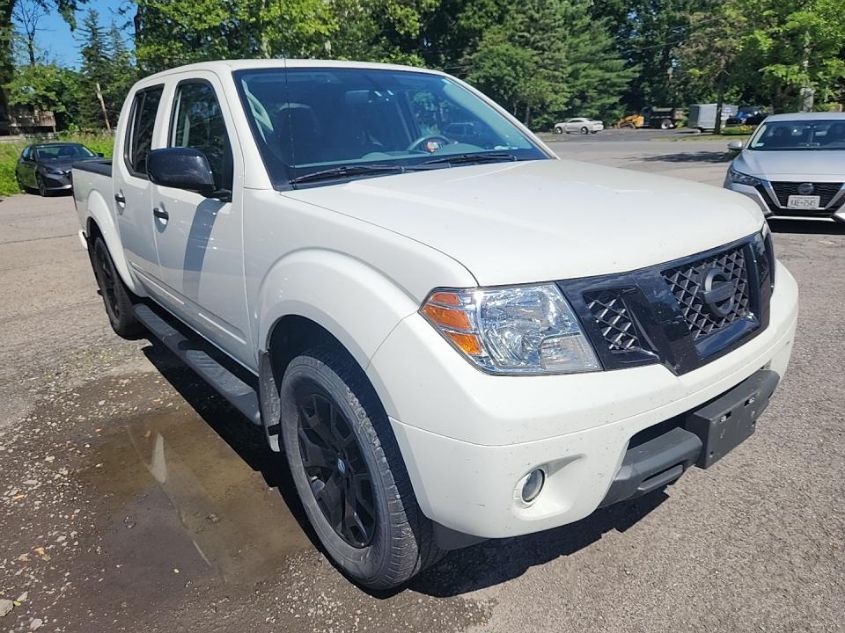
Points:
(102, 167)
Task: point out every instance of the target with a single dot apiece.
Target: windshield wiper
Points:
(471, 158)
(348, 171)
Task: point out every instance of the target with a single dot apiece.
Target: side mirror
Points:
(735, 146)
(181, 168)
(100, 154)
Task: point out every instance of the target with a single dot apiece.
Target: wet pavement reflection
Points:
(176, 489)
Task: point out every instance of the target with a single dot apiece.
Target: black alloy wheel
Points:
(118, 299)
(336, 470)
(349, 473)
(42, 188)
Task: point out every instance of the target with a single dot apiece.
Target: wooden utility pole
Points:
(102, 106)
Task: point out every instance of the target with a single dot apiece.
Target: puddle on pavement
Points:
(180, 497)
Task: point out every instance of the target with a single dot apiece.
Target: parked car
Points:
(440, 340)
(46, 167)
(579, 124)
(748, 115)
(794, 164)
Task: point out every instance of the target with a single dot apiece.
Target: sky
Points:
(56, 39)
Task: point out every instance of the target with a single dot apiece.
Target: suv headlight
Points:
(512, 330)
(743, 179)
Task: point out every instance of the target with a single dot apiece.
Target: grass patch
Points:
(738, 130)
(10, 152)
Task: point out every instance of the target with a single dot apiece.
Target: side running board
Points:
(198, 355)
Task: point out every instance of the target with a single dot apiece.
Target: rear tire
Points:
(585, 130)
(117, 298)
(349, 473)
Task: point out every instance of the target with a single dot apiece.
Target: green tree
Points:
(712, 55)
(46, 87)
(66, 8)
(107, 71)
(169, 33)
(549, 59)
(798, 50)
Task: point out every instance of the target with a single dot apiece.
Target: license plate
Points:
(730, 419)
(803, 202)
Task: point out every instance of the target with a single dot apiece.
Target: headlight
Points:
(54, 171)
(743, 179)
(512, 330)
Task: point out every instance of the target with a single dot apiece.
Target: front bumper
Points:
(56, 182)
(468, 438)
(770, 206)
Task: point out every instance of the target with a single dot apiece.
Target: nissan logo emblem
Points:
(806, 188)
(718, 292)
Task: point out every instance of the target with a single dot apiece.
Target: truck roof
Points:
(230, 65)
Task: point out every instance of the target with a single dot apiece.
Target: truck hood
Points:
(818, 166)
(547, 219)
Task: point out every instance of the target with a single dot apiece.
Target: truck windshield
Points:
(319, 125)
(799, 135)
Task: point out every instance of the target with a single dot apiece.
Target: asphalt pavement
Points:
(133, 499)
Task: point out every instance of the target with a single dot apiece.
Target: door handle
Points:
(161, 214)
(120, 199)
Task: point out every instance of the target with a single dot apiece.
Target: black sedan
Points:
(45, 167)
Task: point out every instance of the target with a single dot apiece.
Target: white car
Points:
(579, 124)
(449, 339)
(793, 165)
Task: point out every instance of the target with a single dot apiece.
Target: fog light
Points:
(533, 485)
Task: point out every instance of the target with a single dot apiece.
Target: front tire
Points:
(349, 473)
(117, 297)
(42, 188)
(585, 130)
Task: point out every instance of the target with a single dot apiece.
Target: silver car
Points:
(794, 165)
(579, 124)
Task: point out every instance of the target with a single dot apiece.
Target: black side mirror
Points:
(100, 154)
(181, 168)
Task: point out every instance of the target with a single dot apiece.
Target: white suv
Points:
(450, 334)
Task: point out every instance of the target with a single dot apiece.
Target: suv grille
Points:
(614, 320)
(687, 282)
(825, 191)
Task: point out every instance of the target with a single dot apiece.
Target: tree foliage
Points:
(541, 59)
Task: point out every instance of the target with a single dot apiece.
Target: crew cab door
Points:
(132, 188)
(199, 239)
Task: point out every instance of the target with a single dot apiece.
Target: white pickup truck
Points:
(451, 334)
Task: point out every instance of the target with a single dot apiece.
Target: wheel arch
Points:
(99, 223)
(313, 297)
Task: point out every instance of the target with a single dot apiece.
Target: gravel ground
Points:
(132, 498)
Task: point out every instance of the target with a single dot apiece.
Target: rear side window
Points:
(139, 132)
(198, 123)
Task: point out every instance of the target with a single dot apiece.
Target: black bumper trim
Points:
(653, 464)
(659, 455)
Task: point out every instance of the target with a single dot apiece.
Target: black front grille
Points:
(687, 284)
(682, 314)
(614, 320)
(824, 190)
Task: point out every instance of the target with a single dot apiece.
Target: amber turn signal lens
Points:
(445, 317)
(445, 298)
(467, 343)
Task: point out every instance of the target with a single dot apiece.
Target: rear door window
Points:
(139, 132)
